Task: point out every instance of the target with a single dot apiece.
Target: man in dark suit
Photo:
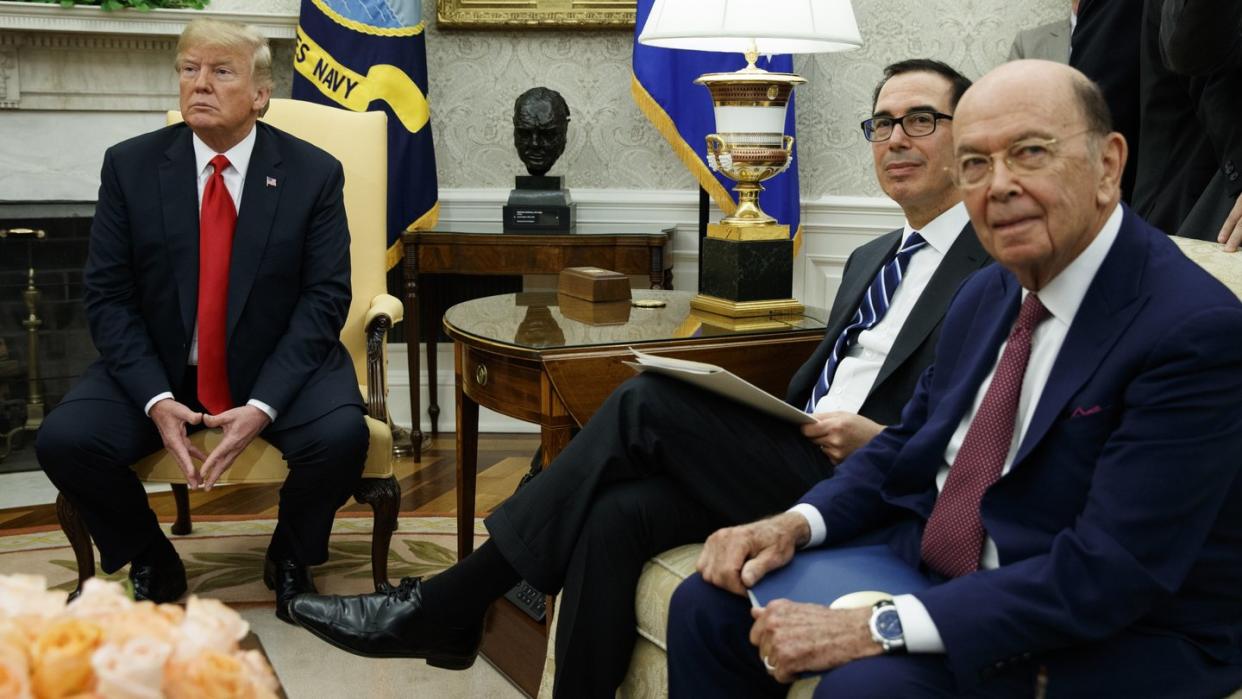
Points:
(216, 286)
(662, 463)
(1085, 391)
(1190, 151)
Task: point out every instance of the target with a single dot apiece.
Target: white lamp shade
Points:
(774, 26)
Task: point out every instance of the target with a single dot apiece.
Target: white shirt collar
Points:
(238, 155)
(1064, 293)
(941, 232)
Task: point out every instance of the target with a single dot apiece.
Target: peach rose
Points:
(144, 620)
(209, 625)
(258, 669)
(133, 670)
(14, 672)
(27, 595)
(101, 601)
(61, 657)
(212, 675)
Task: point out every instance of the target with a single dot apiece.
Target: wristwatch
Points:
(886, 627)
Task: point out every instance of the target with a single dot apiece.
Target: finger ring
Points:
(769, 666)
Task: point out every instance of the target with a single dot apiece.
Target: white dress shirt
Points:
(857, 371)
(859, 368)
(234, 177)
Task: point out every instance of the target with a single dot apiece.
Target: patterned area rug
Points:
(224, 558)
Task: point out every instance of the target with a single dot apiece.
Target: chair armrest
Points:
(385, 311)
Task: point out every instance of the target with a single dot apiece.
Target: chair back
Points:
(360, 141)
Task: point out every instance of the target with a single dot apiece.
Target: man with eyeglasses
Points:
(663, 464)
(1066, 476)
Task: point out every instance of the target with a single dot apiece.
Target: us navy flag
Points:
(372, 55)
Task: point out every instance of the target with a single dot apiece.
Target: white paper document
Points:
(721, 382)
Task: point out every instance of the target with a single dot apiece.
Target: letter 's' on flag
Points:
(663, 87)
(367, 55)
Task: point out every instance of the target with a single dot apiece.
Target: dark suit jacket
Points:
(915, 345)
(1120, 512)
(289, 288)
(1190, 150)
(1105, 47)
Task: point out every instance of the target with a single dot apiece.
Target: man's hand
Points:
(793, 637)
(736, 558)
(240, 426)
(839, 434)
(170, 418)
(1231, 233)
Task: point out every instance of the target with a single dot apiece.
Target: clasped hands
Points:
(792, 637)
(239, 425)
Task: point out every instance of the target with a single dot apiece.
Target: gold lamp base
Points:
(746, 309)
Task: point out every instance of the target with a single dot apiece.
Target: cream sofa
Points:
(647, 677)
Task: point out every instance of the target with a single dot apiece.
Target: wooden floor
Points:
(427, 488)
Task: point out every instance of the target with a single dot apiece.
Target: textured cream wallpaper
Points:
(476, 75)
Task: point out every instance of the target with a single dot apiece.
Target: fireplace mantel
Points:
(25, 16)
(76, 80)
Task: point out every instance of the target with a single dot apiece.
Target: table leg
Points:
(467, 457)
(433, 398)
(412, 345)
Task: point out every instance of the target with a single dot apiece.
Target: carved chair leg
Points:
(384, 497)
(181, 494)
(79, 538)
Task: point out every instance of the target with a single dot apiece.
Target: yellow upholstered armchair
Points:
(360, 141)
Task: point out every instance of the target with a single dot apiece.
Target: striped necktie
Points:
(874, 305)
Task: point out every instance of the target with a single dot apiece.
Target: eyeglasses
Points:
(1028, 156)
(915, 124)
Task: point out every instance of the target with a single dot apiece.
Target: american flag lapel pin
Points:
(271, 182)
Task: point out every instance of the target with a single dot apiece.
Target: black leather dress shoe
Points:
(160, 583)
(289, 579)
(390, 624)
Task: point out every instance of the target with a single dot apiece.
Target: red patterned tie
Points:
(216, 223)
(953, 539)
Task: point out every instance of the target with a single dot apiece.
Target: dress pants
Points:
(659, 465)
(87, 447)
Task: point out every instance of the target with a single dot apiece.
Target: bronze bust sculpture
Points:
(540, 123)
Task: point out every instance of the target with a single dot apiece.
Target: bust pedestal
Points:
(539, 204)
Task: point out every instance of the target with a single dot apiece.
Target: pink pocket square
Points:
(1083, 412)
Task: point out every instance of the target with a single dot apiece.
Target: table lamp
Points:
(748, 257)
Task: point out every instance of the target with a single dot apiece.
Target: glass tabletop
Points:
(545, 319)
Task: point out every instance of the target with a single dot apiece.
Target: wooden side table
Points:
(540, 366)
(436, 252)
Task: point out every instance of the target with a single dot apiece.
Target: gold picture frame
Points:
(535, 14)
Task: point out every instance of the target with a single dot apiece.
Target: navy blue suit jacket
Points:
(1120, 513)
(289, 288)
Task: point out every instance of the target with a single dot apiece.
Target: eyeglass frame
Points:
(901, 121)
(1046, 143)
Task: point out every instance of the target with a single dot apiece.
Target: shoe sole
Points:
(443, 662)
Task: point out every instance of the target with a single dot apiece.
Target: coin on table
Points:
(648, 303)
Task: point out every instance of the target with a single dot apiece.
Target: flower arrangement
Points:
(103, 645)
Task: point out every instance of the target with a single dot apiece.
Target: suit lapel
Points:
(852, 289)
(178, 183)
(254, 221)
(965, 256)
(1109, 307)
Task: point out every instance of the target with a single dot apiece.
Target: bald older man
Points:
(1066, 475)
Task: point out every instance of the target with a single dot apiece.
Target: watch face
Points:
(888, 624)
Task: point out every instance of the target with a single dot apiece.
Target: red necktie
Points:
(216, 223)
(953, 539)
